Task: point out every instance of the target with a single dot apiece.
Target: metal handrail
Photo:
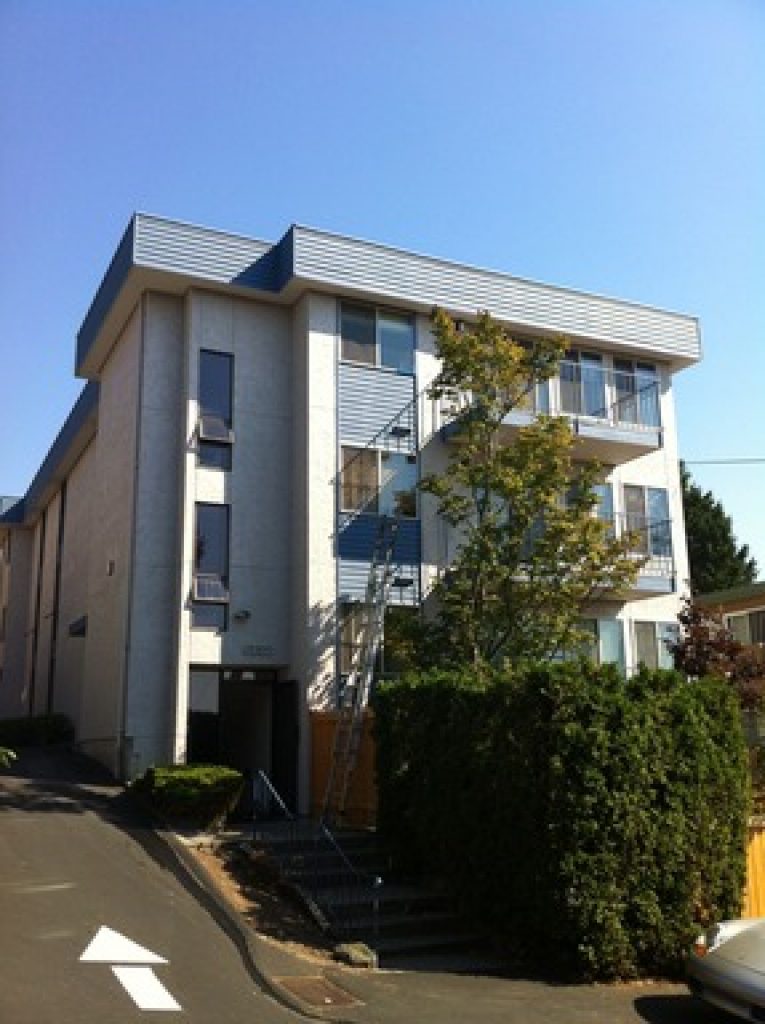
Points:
(261, 777)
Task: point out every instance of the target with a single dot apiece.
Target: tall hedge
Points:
(592, 821)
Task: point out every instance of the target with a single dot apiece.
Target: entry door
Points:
(285, 733)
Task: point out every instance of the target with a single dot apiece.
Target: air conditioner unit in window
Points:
(209, 586)
(214, 428)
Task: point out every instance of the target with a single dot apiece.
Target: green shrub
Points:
(196, 794)
(35, 731)
(598, 821)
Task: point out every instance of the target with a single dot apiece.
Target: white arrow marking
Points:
(145, 988)
(140, 982)
(109, 947)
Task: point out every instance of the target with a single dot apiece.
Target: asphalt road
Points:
(74, 860)
(77, 863)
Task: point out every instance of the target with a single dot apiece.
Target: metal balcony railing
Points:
(622, 398)
(618, 397)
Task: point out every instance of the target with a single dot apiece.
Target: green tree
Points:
(716, 560)
(532, 554)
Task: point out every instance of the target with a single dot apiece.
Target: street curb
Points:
(245, 938)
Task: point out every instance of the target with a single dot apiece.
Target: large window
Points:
(210, 587)
(378, 482)
(636, 386)
(646, 513)
(607, 643)
(216, 386)
(583, 384)
(651, 643)
(377, 337)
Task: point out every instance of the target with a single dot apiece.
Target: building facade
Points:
(183, 575)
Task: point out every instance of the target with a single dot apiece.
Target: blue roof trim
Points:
(11, 510)
(83, 410)
(110, 286)
(275, 268)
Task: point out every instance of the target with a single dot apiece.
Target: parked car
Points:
(726, 967)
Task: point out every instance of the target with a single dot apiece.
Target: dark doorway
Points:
(285, 736)
(247, 719)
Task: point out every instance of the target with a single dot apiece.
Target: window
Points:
(636, 386)
(646, 512)
(359, 480)
(378, 482)
(398, 484)
(607, 644)
(651, 640)
(210, 585)
(582, 384)
(377, 337)
(216, 378)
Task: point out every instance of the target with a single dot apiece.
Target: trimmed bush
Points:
(194, 794)
(594, 821)
(35, 731)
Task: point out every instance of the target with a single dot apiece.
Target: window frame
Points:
(214, 609)
(374, 506)
(658, 628)
(220, 439)
(378, 313)
(651, 547)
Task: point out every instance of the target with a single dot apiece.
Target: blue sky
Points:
(609, 146)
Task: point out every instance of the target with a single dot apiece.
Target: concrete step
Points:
(387, 945)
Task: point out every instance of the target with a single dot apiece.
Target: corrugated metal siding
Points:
(369, 398)
(358, 534)
(368, 267)
(200, 252)
(352, 580)
(355, 545)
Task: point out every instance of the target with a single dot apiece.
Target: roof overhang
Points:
(169, 256)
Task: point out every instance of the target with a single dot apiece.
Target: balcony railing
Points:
(622, 398)
(627, 400)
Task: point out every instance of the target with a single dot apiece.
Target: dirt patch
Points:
(251, 885)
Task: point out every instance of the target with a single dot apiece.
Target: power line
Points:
(723, 462)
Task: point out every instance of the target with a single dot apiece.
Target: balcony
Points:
(653, 547)
(614, 414)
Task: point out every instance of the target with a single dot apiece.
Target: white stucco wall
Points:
(42, 667)
(73, 588)
(150, 695)
(111, 533)
(14, 697)
(258, 488)
(313, 515)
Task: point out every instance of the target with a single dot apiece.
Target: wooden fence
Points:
(754, 894)
(361, 805)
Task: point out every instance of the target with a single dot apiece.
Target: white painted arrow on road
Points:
(140, 982)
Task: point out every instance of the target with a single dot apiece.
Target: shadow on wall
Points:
(321, 655)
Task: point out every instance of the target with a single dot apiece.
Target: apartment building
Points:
(183, 576)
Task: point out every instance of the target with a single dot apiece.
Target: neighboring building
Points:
(743, 611)
(182, 576)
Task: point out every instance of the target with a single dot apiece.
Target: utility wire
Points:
(723, 462)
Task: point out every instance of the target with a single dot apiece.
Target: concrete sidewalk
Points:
(364, 996)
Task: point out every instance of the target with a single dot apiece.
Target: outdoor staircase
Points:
(344, 881)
